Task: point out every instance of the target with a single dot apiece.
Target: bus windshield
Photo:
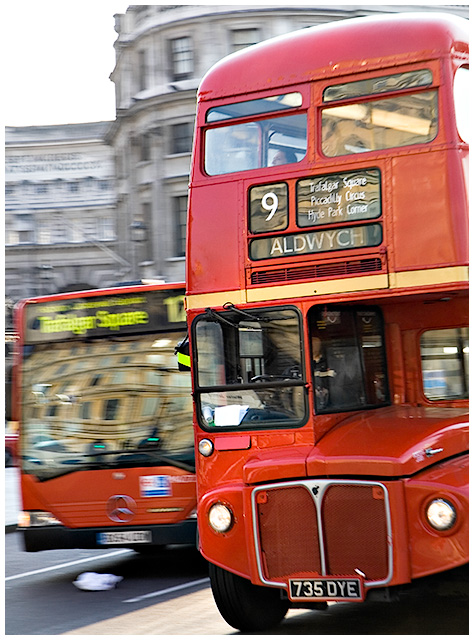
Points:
(250, 368)
(104, 402)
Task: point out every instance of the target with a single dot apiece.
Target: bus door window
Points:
(249, 371)
(348, 359)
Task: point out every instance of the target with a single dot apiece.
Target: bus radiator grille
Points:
(289, 533)
(315, 271)
(353, 532)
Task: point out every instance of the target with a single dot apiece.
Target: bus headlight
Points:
(28, 519)
(441, 514)
(220, 517)
(205, 447)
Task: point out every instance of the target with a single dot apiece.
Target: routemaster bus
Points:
(105, 418)
(327, 278)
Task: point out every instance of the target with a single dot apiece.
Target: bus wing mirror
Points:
(182, 352)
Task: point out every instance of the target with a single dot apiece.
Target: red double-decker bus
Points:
(327, 304)
(105, 418)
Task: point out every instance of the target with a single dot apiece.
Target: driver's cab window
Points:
(248, 368)
(348, 359)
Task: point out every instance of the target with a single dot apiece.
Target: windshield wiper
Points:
(215, 316)
(230, 306)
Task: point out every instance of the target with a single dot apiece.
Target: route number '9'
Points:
(268, 207)
(270, 203)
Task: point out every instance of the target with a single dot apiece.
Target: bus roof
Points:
(337, 47)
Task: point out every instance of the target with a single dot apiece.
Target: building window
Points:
(181, 58)
(182, 137)
(106, 229)
(145, 149)
(241, 38)
(141, 70)
(24, 232)
(180, 212)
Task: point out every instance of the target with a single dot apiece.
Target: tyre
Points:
(243, 605)
(8, 458)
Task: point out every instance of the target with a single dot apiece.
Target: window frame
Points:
(300, 382)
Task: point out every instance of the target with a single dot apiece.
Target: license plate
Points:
(326, 589)
(124, 537)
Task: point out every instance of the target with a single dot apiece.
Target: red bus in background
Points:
(105, 419)
(327, 297)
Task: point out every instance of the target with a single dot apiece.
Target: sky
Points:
(57, 60)
(58, 57)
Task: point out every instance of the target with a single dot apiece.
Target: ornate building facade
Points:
(60, 214)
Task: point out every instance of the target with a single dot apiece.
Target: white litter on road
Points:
(90, 581)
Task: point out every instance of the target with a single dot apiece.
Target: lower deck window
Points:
(348, 354)
(445, 363)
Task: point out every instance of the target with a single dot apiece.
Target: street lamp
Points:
(138, 232)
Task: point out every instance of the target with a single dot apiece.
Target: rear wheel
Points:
(244, 605)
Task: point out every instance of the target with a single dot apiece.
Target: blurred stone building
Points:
(89, 205)
(60, 219)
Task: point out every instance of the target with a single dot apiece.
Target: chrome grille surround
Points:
(318, 489)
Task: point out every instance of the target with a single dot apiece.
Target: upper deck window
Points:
(409, 118)
(258, 143)
(373, 86)
(255, 107)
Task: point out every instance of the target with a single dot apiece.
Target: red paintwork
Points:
(394, 439)
(424, 218)
(334, 49)
(450, 481)
(83, 504)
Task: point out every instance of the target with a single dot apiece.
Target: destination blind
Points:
(309, 242)
(338, 197)
(118, 314)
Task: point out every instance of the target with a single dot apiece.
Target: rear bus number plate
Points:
(326, 589)
(124, 537)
